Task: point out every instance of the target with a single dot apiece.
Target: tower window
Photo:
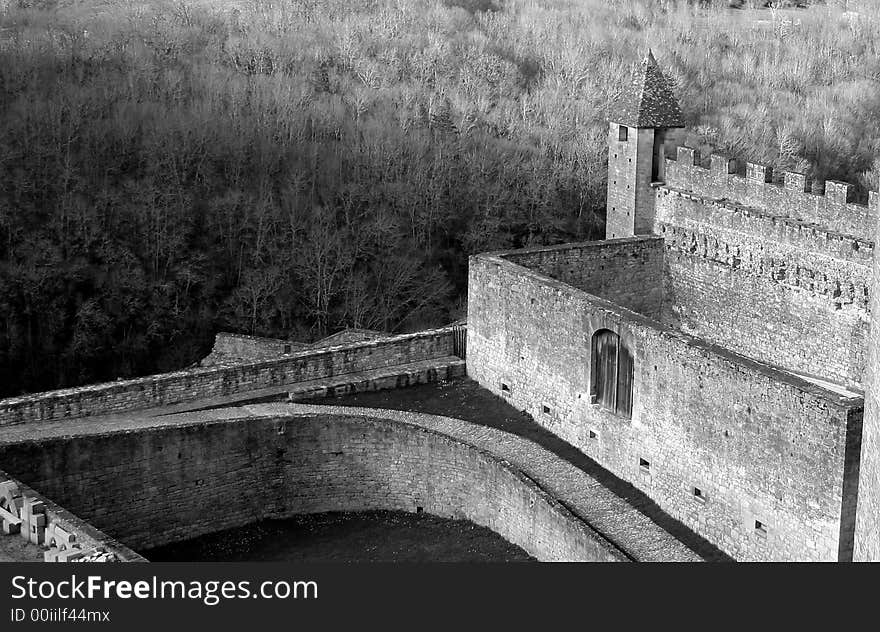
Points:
(612, 373)
(760, 529)
(622, 132)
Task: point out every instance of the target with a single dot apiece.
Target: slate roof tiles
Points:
(648, 101)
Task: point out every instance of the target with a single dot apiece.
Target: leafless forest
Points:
(292, 167)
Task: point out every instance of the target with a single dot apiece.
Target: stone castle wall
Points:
(628, 272)
(775, 289)
(832, 210)
(153, 486)
(767, 450)
(193, 384)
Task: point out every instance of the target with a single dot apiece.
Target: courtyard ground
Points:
(372, 536)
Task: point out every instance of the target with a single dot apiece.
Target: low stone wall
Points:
(443, 370)
(202, 383)
(227, 468)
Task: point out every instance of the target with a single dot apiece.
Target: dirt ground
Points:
(14, 548)
(373, 536)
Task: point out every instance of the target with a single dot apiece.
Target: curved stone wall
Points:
(203, 472)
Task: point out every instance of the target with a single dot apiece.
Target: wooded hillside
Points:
(292, 167)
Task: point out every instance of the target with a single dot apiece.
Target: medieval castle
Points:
(716, 351)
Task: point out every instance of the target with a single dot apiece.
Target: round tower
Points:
(642, 122)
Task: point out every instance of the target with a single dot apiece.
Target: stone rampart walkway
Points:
(630, 530)
(422, 372)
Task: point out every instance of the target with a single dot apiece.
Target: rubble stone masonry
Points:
(203, 383)
(628, 272)
(758, 461)
(630, 197)
(151, 486)
(772, 288)
(831, 206)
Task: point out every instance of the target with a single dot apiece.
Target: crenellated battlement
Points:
(725, 215)
(753, 265)
(829, 205)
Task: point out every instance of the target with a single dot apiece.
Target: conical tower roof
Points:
(648, 101)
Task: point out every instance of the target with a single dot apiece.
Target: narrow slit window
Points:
(622, 132)
(760, 529)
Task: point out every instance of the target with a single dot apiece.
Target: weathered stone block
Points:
(838, 192)
(759, 173)
(722, 165)
(797, 182)
(688, 156)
